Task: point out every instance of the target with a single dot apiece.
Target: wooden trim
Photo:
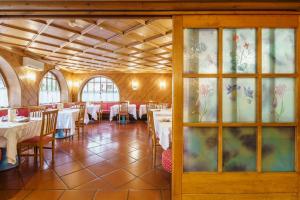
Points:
(177, 130)
(238, 21)
(145, 6)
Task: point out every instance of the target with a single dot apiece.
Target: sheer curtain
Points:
(49, 90)
(3, 94)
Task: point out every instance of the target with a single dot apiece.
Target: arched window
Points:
(100, 89)
(49, 89)
(3, 93)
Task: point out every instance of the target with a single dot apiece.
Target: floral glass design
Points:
(200, 100)
(239, 96)
(278, 49)
(278, 100)
(239, 51)
(200, 149)
(239, 149)
(200, 50)
(278, 149)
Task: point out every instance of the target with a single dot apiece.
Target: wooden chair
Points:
(47, 135)
(100, 113)
(154, 139)
(36, 111)
(123, 111)
(79, 124)
(149, 105)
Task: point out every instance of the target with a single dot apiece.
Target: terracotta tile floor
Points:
(110, 162)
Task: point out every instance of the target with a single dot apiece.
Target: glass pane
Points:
(278, 100)
(278, 46)
(239, 51)
(200, 149)
(278, 149)
(238, 96)
(239, 149)
(200, 50)
(200, 100)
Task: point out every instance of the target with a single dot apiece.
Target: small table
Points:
(66, 120)
(114, 110)
(142, 110)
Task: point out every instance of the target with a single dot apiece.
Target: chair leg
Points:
(41, 156)
(154, 156)
(53, 146)
(35, 153)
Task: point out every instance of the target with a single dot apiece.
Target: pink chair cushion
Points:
(167, 160)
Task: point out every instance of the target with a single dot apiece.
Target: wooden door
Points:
(235, 127)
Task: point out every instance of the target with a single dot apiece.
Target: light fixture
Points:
(31, 76)
(134, 85)
(162, 85)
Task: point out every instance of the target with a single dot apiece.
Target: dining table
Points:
(114, 110)
(162, 119)
(11, 133)
(66, 119)
(142, 110)
(92, 110)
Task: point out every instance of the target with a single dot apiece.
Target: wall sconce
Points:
(162, 85)
(134, 85)
(31, 76)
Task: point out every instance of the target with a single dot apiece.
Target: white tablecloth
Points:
(142, 110)
(66, 119)
(92, 110)
(15, 132)
(162, 128)
(114, 110)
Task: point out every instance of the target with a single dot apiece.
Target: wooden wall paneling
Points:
(177, 130)
(148, 86)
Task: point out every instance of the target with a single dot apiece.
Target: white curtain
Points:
(4, 97)
(49, 97)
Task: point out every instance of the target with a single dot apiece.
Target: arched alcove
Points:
(13, 83)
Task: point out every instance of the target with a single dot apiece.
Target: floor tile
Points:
(78, 178)
(77, 195)
(118, 178)
(44, 194)
(116, 195)
(144, 195)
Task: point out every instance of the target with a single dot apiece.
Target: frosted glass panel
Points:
(238, 97)
(200, 149)
(278, 100)
(239, 149)
(278, 46)
(200, 50)
(239, 51)
(200, 100)
(278, 149)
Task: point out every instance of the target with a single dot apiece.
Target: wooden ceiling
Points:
(89, 45)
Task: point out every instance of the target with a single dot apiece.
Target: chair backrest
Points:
(151, 124)
(36, 111)
(49, 120)
(123, 107)
(81, 113)
(150, 105)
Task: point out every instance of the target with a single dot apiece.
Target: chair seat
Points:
(38, 140)
(166, 160)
